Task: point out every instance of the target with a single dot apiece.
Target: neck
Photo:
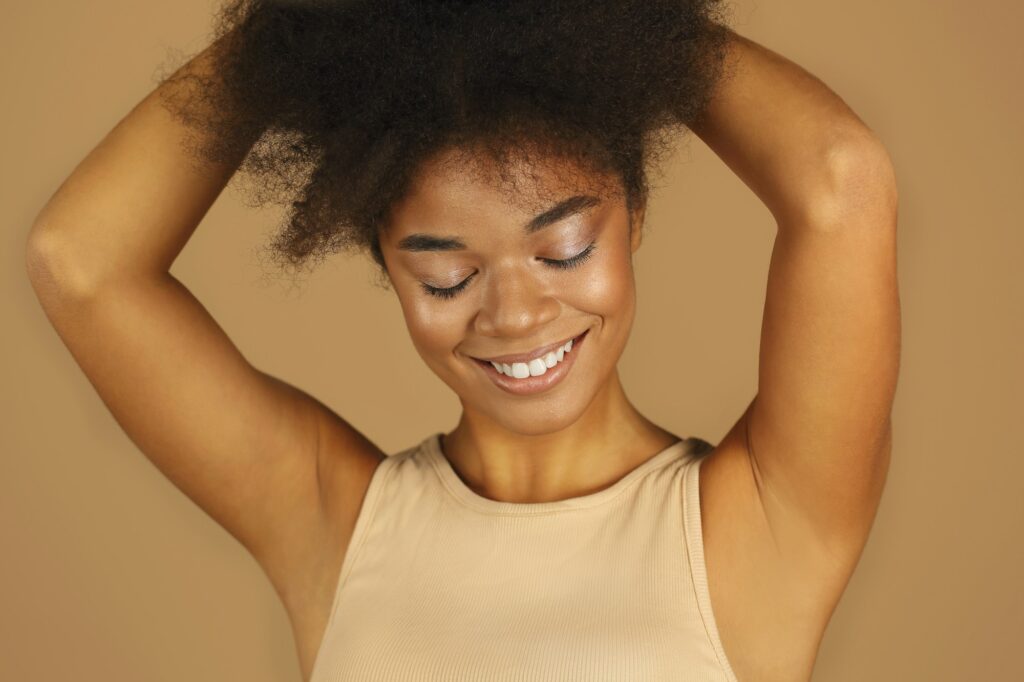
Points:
(610, 439)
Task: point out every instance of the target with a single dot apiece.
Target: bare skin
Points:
(788, 496)
(524, 448)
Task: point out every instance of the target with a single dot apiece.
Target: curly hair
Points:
(333, 105)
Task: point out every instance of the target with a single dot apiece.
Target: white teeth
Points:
(535, 367)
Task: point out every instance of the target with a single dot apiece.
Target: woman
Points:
(491, 158)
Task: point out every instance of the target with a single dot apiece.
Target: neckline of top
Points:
(457, 487)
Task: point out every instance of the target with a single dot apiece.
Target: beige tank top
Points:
(442, 584)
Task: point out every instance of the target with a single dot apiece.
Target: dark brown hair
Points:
(346, 98)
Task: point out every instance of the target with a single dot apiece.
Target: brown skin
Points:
(787, 497)
(525, 448)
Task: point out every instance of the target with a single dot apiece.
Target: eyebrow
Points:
(560, 211)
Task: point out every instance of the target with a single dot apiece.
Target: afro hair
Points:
(332, 106)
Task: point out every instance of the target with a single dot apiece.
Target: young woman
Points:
(491, 158)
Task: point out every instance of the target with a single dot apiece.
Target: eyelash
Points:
(564, 264)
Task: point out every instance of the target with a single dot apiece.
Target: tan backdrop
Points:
(108, 572)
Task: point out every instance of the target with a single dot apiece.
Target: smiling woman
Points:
(484, 272)
(492, 158)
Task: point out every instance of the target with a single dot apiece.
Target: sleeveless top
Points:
(442, 584)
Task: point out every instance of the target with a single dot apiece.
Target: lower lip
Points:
(531, 385)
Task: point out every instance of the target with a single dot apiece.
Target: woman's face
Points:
(476, 280)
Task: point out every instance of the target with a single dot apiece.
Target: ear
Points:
(636, 227)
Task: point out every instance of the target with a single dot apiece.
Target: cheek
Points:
(434, 328)
(608, 288)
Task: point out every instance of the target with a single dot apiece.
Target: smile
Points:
(536, 374)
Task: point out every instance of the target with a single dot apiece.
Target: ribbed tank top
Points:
(442, 584)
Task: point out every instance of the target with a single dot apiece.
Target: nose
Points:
(515, 303)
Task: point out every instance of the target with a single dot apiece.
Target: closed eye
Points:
(563, 264)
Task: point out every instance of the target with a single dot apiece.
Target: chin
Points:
(538, 424)
(531, 416)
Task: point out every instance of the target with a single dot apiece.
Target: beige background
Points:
(108, 572)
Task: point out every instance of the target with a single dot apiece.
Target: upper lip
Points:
(536, 352)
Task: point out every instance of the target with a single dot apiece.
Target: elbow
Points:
(51, 269)
(40, 266)
(38, 258)
(861, 191)
(863, 168)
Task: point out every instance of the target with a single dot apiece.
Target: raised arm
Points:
(243, 445)
(815, 441)
(790, 494)
(796, 144)
(132, 204)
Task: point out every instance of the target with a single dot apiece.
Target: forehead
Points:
(459, 185)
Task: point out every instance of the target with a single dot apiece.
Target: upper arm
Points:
(243, 445)
(789, 494)
(818, 431)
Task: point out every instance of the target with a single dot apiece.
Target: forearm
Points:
(787, 136)
(132, 204)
